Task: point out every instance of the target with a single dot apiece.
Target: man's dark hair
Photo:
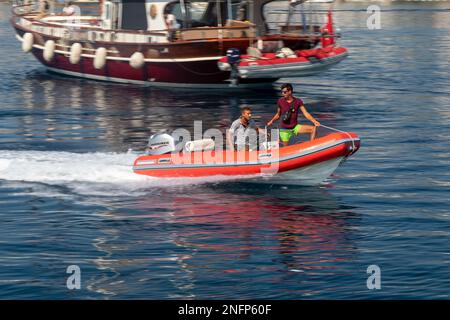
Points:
(286, 86)
(245, 109)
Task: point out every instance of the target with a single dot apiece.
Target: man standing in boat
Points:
(287, 109)
(242, 134)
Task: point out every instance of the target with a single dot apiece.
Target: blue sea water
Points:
(68, 195)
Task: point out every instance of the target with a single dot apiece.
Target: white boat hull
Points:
(307, 176)
(289, 70)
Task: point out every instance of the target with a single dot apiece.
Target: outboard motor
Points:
(160, 143)
(233, 58)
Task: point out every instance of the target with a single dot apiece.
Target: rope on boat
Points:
(348, 134)
(196, 72)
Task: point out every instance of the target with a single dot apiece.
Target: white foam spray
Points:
(106, 174)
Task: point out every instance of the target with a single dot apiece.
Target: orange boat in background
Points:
(306, 163)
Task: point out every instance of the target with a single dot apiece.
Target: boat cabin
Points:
(153, 15)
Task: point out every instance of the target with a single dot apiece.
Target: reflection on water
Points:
(221, 233)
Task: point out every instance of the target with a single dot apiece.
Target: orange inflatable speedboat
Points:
(307, 163)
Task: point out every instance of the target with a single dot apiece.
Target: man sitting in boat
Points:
(70, 9)
(242, 134)
(287, 109)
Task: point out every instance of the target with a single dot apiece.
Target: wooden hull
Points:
(162, 70)
(189, 61)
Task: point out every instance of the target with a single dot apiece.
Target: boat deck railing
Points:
(89, 28)
(302, 18)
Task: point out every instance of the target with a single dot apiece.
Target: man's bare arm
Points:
(309, 117)
(275, 117)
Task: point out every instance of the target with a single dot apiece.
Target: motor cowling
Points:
(233, 59)
(233, 56)
(160, 143)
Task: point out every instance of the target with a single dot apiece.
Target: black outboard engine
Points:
(233, 58)
(160, 143)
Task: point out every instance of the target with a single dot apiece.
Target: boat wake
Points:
(103, 174)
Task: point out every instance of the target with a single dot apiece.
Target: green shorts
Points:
(287, 134)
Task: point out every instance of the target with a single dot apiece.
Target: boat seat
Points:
(286, 53)
(254, 53)
(199, 145)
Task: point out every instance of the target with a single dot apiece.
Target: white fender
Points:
(49, 50)
(100, 58)
(137, 60)
(27, 42)
(75, 53)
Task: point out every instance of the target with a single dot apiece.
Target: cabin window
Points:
(198, 10)
(198, 13)
(134, 15)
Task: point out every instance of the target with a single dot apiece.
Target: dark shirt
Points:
(285, 106)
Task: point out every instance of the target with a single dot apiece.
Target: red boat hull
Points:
(303, 63)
